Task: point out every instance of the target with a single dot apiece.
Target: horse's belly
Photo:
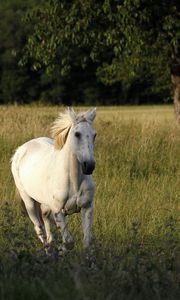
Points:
(33, 179)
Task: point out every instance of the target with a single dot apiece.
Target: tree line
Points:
(89, 52)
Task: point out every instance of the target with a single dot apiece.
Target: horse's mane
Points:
(62, 125)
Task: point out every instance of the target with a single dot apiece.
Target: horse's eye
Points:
(77, 134)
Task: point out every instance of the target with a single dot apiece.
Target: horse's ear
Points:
(72, 113)
(91, 114)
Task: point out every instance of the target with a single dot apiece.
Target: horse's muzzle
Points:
(88, 167)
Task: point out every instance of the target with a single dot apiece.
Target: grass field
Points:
(137, 211)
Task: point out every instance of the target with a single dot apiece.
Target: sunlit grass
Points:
(138, 162)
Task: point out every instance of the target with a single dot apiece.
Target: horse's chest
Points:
(67, 194)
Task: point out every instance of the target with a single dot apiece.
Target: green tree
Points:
(17, 84)
(129, 40)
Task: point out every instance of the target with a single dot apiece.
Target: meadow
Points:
(136, 252)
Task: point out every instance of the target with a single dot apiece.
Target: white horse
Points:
(55, 174)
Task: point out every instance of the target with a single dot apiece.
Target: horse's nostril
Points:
(88, 167)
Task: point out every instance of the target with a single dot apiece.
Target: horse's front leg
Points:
(85, 203)
(87, 219)
(68, 242)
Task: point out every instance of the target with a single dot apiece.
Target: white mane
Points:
(62, 125)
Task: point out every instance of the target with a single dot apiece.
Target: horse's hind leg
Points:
(33, 214)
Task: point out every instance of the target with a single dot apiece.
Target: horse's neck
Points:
(74, 173)
(73, 169)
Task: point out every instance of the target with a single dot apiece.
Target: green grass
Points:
(136, 219)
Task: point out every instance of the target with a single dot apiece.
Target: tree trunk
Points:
(175, 76)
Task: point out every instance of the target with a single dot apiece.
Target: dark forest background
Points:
(24, 83)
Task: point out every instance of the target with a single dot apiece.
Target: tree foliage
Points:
(130, 41)
(16, 84)
(107, 51)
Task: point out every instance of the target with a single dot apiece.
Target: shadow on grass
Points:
(135, 271)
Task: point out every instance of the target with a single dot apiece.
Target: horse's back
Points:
(41, 143)
(33, 149)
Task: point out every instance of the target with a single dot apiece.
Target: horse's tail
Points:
(15, 163)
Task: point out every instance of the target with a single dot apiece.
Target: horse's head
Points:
(77, 128)
(82, 140)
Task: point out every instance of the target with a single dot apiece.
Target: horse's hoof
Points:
(69, 245)
(48, 249)
(62, 250)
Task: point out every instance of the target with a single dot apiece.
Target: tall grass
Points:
(136, 219)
